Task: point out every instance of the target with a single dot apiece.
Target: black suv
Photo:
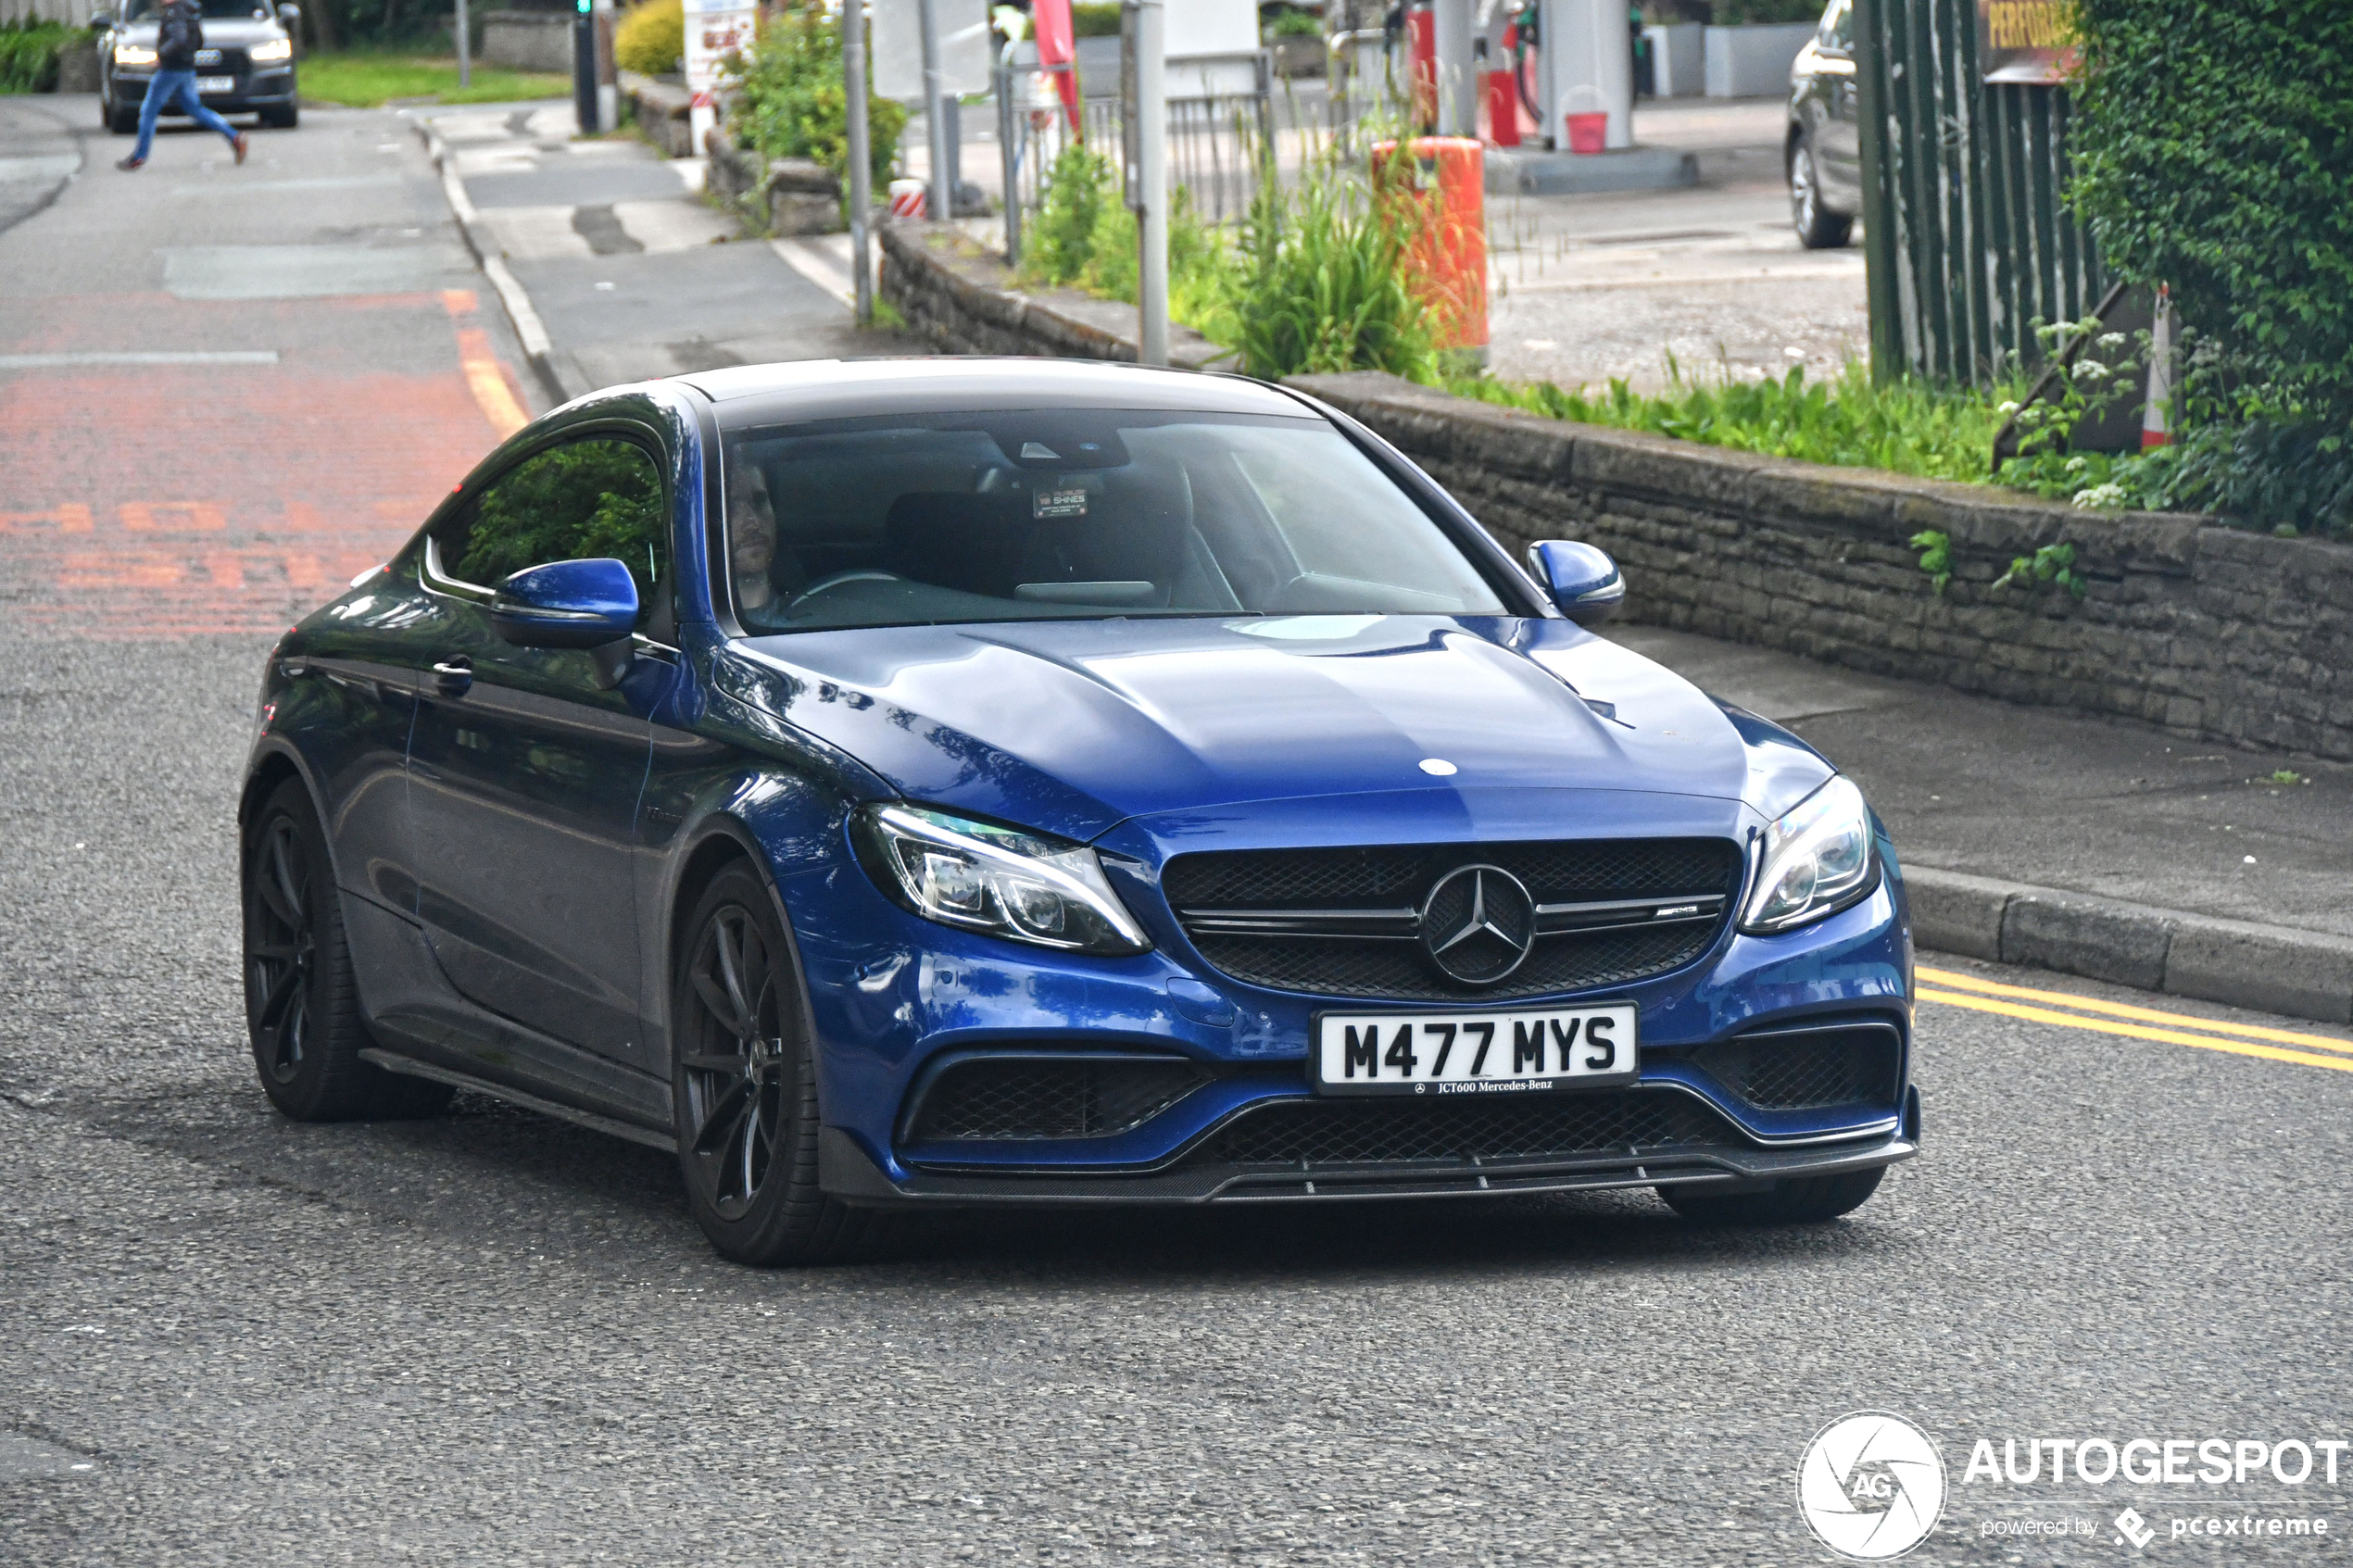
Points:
(1823, 151)
(246, 67)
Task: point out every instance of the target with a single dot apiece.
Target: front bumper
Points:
(846, 1171)
(263, 90)
(891, 1019)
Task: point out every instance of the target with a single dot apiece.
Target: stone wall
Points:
(528, 40)
(964, 300)
(2211, 632)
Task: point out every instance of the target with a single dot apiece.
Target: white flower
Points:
(2111, 339)
(2101, 498)
(2091, 370)
(2007, 408)
(2077, 465)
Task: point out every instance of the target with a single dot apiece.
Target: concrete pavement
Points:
(630, 273)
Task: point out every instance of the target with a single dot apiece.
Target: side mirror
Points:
(290, 18)
(567, 604)
(1583, 580)
(101, 20)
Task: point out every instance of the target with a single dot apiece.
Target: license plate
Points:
(1521, 1051)
(216, 85)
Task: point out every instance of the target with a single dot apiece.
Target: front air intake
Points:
(1031, 1098)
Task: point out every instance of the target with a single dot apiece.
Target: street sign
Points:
(2030, 41)
(966, 51)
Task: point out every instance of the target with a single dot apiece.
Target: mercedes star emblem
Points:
(1477, 924)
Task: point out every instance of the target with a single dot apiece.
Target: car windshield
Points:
(1065, 514)
(214, 11)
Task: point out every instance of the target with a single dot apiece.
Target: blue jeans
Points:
(180, 87)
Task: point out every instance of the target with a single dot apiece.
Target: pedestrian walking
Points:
(179, 33)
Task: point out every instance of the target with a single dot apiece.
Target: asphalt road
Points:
(490, 1338)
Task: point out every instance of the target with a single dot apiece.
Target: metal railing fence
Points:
(1966, 232)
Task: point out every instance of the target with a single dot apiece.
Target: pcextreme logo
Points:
(1870, 1487)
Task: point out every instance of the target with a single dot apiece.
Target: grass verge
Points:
(363, 80)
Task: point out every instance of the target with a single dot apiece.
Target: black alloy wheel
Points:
(1818, 226)
(744, 1087)
(302, 1004)
(1793, 1201)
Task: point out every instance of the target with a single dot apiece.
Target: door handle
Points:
(452, 677)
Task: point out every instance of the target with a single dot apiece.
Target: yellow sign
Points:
(2030, 40)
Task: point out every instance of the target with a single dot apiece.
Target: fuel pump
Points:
(1575, 57)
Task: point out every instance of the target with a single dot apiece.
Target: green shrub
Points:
(2214, 149)
(1323, 285)
(1084, 237)
(28, 55)
(651, 38)
(1095, 19)
(1901, 426)
(793, 103)
(1295, 24)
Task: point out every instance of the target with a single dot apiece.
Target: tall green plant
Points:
(28, 55)
(1323, 284)
(793, 103)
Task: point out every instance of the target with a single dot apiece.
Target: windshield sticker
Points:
(1059, 503)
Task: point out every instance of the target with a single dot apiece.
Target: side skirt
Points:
(650, 1136)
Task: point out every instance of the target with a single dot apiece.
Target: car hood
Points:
(1072, 727)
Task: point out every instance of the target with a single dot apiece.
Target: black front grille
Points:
(1851, 1065)
(1401, 874)
(1392, 967)
(1399, 877)
(1520, 1127)
(1027, 1098)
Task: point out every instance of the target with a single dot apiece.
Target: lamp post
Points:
(862, 163)
(1147, 43)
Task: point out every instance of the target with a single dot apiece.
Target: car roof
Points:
(833, 389)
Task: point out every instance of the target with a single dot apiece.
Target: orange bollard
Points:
(1443, 178)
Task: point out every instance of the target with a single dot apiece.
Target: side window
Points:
(598, 497)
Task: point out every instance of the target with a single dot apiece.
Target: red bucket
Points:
(1588, 132)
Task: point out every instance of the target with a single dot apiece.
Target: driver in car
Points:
(751, 529)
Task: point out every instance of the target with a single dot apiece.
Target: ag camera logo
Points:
(1870, 1487)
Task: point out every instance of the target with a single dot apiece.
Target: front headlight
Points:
(271, 52)
(1817, 859)
(998, 880)
(132, 55)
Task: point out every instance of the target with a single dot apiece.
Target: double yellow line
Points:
(2241, 1039)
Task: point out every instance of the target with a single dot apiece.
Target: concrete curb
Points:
(2271, 968)
(529, 329)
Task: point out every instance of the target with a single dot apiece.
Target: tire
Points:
(1818, 226)
(283, 117)
(302, 1003)
(1799, 1200)
(123, 122)
(744, 1088)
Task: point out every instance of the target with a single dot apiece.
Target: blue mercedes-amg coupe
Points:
(953, 782)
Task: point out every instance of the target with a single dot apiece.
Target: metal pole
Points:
(1009, 155)
(1151, 179)
(465, 49)
(861, 161)
(583, 68)
(1457, 85)
(943, 197)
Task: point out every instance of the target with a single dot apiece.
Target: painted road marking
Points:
(2125, 1010)
(1989, 999)
(158, 357)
